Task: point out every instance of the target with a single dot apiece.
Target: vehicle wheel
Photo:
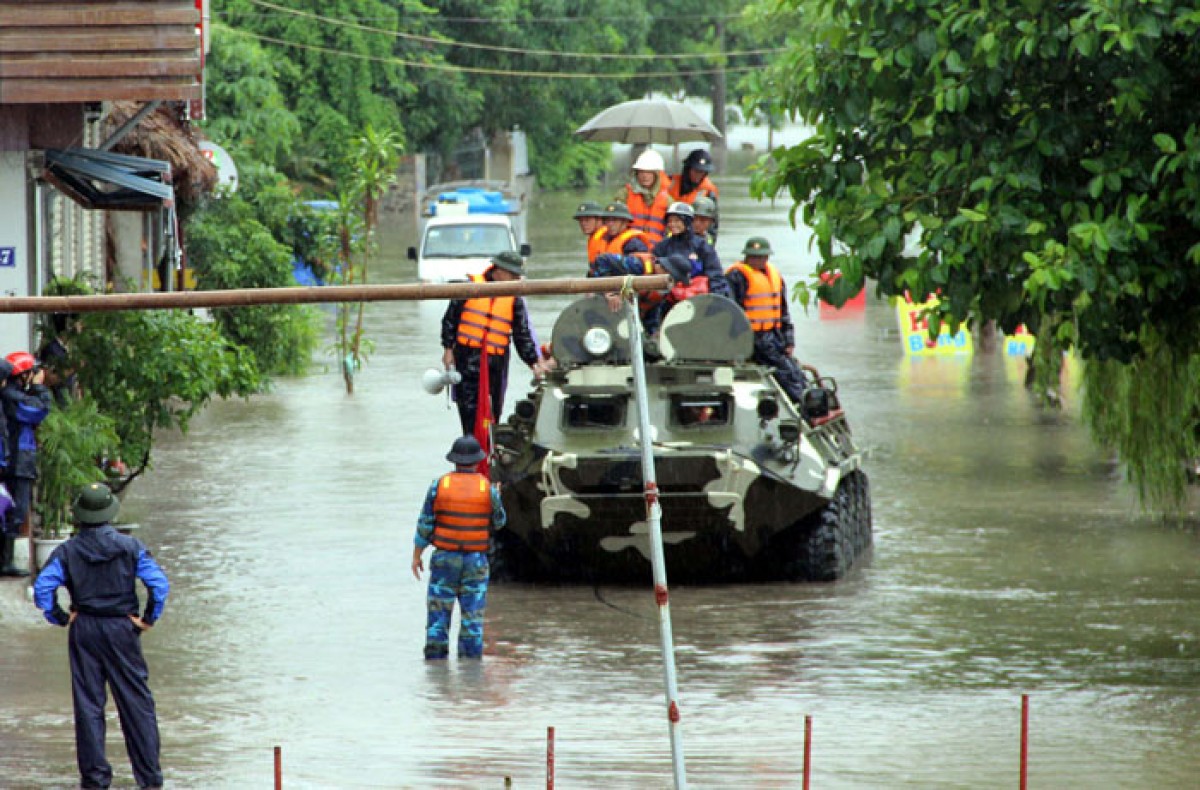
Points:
(828, 551)
(867, 525)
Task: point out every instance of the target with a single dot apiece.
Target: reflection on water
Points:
(1009, 558)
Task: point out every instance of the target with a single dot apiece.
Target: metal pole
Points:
(549, 758)
(244, 297)
(278, 768)
(657, 559)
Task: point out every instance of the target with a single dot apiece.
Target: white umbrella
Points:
(647, 121)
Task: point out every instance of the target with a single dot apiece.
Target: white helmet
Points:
(650, 160)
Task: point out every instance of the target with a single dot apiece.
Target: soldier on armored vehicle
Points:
(759, 288)
(751, 488)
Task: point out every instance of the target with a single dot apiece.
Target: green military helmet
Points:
(589, 208)
(756, 245)
(705, 207)
(617, 210)
(95, 505)
(510, 261)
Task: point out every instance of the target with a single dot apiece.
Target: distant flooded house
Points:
(94, 142)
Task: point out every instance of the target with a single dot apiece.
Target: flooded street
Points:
(1010, 558)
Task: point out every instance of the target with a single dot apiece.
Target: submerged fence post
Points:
(658, 559)
(1024, 741)
(278, 767)
(807, 750)
(549, 758)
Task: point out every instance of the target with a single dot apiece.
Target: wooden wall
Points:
(98, 50)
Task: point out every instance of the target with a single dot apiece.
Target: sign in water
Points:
(914, 327)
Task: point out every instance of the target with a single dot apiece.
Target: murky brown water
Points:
(1009, 559)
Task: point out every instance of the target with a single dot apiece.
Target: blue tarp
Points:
(479, 201)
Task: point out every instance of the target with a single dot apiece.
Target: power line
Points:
(566, 75)
(537, 20)
(444, 42)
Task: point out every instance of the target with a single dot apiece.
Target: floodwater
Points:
(1010, 559)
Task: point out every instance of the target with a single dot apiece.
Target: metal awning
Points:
(104, 180)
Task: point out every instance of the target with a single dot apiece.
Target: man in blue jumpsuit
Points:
(99, 567)
(460, 512)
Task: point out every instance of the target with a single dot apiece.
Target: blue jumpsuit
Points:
(455, 576)
(99, 568)
(24, 410)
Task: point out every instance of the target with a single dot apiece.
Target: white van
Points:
(452, 248)
(457, 241)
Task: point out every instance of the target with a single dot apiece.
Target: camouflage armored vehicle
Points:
(751, 488)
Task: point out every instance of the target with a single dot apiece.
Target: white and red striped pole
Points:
(654, 520)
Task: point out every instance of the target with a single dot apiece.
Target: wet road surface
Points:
(1009, 559)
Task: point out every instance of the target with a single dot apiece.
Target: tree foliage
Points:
(229, 248)
(350, 64)
(1028, 162)
(150, 369)
(72, 440)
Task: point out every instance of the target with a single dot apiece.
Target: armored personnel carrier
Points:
(752, 487)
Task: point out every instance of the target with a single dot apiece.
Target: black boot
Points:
(6, 558)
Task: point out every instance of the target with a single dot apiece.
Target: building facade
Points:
(62, 65)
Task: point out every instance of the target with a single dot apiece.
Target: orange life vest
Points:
(490, 318)
(705, 187)
(763, 301)
(462, 512)
(649, 218)
(617, 244)
(596, 243)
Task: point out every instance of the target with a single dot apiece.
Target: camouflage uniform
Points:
(455, 575)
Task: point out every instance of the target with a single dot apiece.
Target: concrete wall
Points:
(15, 278)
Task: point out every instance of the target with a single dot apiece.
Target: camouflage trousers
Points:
(456, 576)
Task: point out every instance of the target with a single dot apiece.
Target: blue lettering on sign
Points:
(8, 256)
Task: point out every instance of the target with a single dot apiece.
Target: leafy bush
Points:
(157, 369)
(229, 248)
(72, 443)
(574, 164)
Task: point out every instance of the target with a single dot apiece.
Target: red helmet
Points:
(21, 361)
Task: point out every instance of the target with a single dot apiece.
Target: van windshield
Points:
(466, 241)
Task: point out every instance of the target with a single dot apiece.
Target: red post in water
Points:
(1024, 741)
(549, 758)
(278, 767)
(807, 750)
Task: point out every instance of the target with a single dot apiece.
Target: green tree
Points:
(1029, 163)
(548, 110)
(229, 248)
(344, 70)
(246, 108)
(156, 369)
(375, 155)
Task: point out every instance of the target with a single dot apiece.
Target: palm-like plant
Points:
(375, 156)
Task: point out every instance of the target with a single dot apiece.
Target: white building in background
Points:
(63, 63)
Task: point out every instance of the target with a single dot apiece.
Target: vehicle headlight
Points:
(597, 341)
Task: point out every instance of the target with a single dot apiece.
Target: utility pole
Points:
(719, 147)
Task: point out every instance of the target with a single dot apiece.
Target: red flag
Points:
(483, 411)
